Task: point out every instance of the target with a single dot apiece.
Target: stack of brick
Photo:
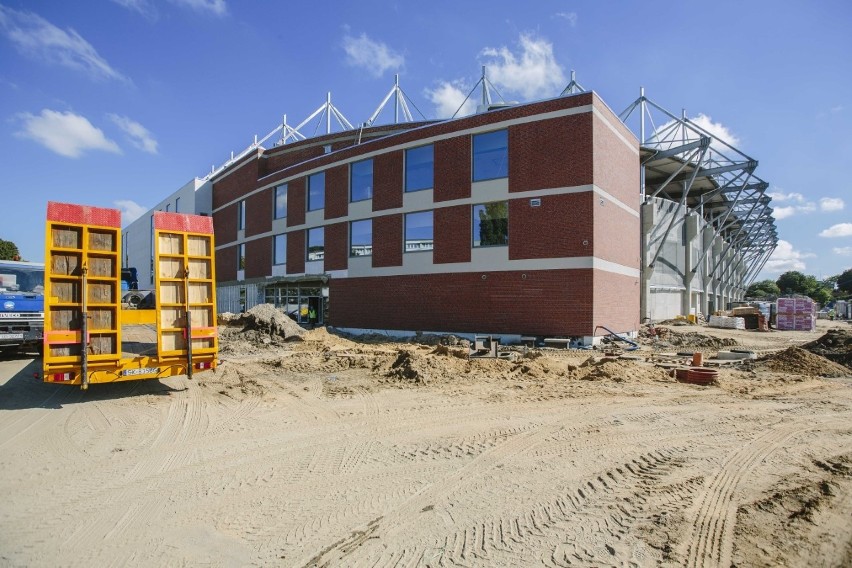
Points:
(796, 314)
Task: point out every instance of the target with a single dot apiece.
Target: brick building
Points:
(522, 220)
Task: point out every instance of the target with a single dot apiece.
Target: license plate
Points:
(143, 371)
(11, 335)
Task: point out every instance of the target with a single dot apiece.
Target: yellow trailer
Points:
(84, 323)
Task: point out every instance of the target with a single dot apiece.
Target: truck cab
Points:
(21, 306)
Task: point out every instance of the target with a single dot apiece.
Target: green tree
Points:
(494, 224)
(794, 282)
(844, 281)
(821, 296)
(762, 289)
(9, 251)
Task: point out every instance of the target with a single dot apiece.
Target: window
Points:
(419, 231)
(279, 249)
(177, 204)
(167, 207)
(491, 224)
(241, 215)
(419, 168)
(316, 191)
(491, 155)
(316, 243)
(281, 201)
(361, 181)
(241, 257)
(361, 238)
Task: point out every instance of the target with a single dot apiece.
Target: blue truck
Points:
(21, 307)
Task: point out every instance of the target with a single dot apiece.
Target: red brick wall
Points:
(555, 229)
(337, 246)
(452, 169)
(258, 257)
(273, 163)
(551, 153)
(225, 225)
(554, 302)
(387, 240)
(296, 252)
(387, 181)
(616, 301)
(452, 234)
(226, 264)
(241, 179)
(296, 202)
(337, 192)
(259, 210)
(616, 233)
(616, 167)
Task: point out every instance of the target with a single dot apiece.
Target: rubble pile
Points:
(836, 345)
(694, 339)
(262, 326)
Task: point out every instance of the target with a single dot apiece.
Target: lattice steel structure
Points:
(707, 224)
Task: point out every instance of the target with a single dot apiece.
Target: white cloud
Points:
(374, 56)
(831, 204)
(144, 7)
(34, 36)
(65, 133)
(843, 251)
(798, 203)
(533, 73)
(716, 129)
(130, 210)
(136, 133)
(215, 7)
(570, 17)
(785, 258)
(783, 212)
(838, 230)
(448, 97)
(781, 196)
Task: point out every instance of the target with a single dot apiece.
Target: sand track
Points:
(317, 454)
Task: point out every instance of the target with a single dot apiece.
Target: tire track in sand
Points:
(709, 543)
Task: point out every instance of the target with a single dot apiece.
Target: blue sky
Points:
(118, 103)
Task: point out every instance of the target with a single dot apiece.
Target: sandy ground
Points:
(330, 452)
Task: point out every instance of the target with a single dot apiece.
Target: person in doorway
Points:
(312, 316)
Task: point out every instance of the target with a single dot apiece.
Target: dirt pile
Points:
(836, 345)
(694, 339)
(261, 327)
(798, 361)
(617, 370)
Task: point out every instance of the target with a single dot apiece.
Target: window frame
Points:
(241, 215)
(275, 193)
(352, 179)
(405, 182)
(275, 248)
(504, 169)
(308, 243)
(475, 220)
(310, 205)
(352, 244)
(405, 237)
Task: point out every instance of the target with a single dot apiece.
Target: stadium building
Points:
(548, 219)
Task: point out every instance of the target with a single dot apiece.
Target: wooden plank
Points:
(66, 237)
(65, 264)
(102, 240)
(198, 245)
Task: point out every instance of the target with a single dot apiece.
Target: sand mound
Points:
(695, 339)
(617, 370)
(836, 345)
(261, 327)
(797, 361)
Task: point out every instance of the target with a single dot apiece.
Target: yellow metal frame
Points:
(85, 258)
